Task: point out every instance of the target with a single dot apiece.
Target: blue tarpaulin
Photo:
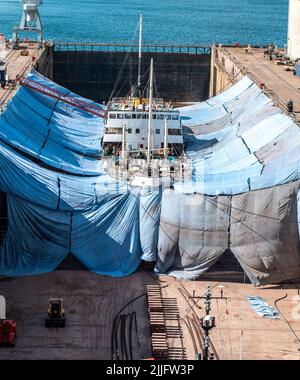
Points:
(260, 306)
(51, 213)
(53, 131)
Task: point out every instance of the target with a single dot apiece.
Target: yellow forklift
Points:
(56, 313)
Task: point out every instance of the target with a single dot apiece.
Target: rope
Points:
(123, 66)
(285, 319)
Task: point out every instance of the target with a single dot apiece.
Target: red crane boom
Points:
(56, 94)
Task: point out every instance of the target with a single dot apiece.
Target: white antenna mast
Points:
(140, 54)
(150, 113)
(166, 150)
(124, 141)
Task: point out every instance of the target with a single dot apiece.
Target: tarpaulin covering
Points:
(53, 131)
(255, 146)
(264, 233)
(193, 235)
(243, 195)
(259, 227)
(260, 306)
(245, 156)
(57, 214)
(52, 213)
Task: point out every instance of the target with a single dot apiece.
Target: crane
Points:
(30, 22)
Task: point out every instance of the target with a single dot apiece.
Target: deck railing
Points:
(151, 48)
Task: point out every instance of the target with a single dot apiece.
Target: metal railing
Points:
(124, 48)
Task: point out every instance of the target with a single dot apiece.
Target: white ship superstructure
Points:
(143, 142)
(130, 116)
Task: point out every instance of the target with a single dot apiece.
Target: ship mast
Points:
(124, 141)
(150, 113)
(166, 150)
(140, 55)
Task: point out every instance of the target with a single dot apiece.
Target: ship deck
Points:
(281, 85)
(18, 64)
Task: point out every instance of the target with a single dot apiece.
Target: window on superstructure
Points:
(145, 116)
(175, 117)
(160, 116)
(174, 132)
(137, 130)
(112, 116)
(157, 131)
(114, 131)
(139, 116)
(154, 116)
(169, 117)
(119, 116)
(134, 116)
(129, 130)
(127, 116)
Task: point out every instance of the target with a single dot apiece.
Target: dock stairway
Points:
(165, 328)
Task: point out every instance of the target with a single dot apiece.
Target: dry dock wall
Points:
(179, 76)
(44, 64)
(225, 71)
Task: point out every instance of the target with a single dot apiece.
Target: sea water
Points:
(258, 22)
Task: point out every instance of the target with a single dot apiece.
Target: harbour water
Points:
(169, 21)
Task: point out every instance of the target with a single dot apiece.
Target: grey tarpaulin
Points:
(259, 227)
(267, 247)
(193, 235)
(245, 155)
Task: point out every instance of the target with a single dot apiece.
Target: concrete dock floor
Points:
(240, 333)
(91, 302)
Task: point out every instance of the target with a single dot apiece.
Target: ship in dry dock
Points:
(143, 139)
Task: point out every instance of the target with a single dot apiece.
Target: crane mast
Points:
(150, 113)
(140, 55)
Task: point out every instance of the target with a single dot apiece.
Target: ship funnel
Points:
(293, 45)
